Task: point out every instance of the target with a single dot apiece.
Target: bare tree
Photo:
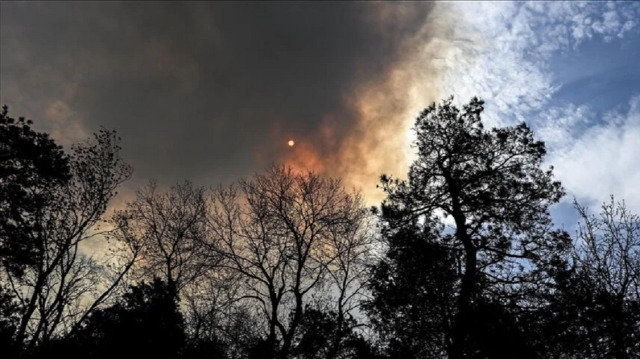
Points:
(349, 273)
(60, 284)
(611, 248)
(607, 269)
(280, 232)
(169, 228)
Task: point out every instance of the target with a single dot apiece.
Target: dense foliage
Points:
(490, 185)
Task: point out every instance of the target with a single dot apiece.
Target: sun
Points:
(291, 143)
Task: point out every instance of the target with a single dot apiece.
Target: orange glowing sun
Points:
(291, 143)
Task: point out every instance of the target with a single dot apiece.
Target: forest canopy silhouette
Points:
(461, 259)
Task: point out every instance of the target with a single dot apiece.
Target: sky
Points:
(212, 92)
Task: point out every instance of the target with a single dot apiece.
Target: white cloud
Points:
(494, 56)
(558, 126)
(604, 160)
(502, 52)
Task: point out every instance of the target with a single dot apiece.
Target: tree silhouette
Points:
(32, 166)
(280, 236)
(146, 322)
(316, 337)
(595, 310)
(413, 294)
(9, 320)
(491, 186)
(169, 227)
(52, 202)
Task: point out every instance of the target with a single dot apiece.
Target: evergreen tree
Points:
(490, 186)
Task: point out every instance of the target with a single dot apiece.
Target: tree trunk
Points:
(31, 308)
(287, 339)
(463, 323)
(619, 345)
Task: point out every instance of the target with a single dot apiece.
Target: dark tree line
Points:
(460, 261)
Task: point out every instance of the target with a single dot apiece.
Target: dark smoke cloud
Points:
(205, 91)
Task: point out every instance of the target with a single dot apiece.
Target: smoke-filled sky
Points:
(214, 91)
